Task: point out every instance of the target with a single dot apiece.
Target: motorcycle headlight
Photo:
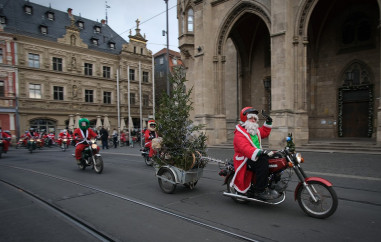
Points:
(94, 146)
(299, 158)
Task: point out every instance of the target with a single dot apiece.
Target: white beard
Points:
(251, 127)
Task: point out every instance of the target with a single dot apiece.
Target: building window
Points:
(174, 60)
(35, 91)
(97, 29)
(161, 60)
(190, 20)
(88, 69)
(28, 9)
(106, 71)
(3, 20)
(161, 74)
(107, 97)
(112, 45)
(132, 75)
(141, 51)
(2, 93)
(58, 93)
(81, 24)
(43, 29)
(1, 55)
(89, 96)
(132, 99)
(43, 124)
(50, 15)
(145, 76)
(94, 41)
(145, 100)
(134, 49)
(34, 60)
(57, 64)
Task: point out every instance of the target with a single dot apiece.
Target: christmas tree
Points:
(183, 142)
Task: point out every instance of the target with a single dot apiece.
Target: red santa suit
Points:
(6, 138)
(150, 134)
(79, 134)
(244, 149)
(61, 136)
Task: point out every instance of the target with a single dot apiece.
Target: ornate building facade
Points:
(70, 67)
(313, 64)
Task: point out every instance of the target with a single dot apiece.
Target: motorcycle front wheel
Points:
(148, 161)
(326, 203)
(233, 191)
(98, 164)
(167, 184)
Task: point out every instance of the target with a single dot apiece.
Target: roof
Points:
(19, 22)
(171, 52)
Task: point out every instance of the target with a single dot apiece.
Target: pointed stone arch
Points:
(237, 11)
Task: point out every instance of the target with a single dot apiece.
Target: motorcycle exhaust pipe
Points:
(228, 194)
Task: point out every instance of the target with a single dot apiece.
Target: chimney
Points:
(103, 22)
(69, 11)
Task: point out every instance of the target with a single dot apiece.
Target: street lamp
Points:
(166, 3)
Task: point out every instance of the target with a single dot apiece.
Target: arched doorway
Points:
(355, 116)
(247, 62)
(341, 95)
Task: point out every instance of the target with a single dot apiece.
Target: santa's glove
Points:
(269, 120)
(268, 153)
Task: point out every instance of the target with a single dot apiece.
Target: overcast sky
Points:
(122, 15)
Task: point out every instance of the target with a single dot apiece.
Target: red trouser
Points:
(151, 151)
(78, 150)
(5, 145)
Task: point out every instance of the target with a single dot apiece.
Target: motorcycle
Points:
(91, 157)
(315, 195)
(31, 144)
(21, 143)
(1, 147)
(64, 143)
(145, 153)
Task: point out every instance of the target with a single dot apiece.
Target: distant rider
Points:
(149, 135)
(6, 140)
(81, 134)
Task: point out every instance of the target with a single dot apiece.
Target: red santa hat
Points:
(152, 125)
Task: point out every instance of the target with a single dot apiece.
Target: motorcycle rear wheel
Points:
(233, 191)
(327, 200)
(98, 164)
(167, 186)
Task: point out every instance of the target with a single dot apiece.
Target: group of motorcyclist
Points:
(249, 157)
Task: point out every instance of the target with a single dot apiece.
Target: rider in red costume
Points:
(150, 134)
(81, 134)
(62, 135)
(249, 157)
(6, 140)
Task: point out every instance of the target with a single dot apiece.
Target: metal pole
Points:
(118, 101)
(153, 87)
(166, 2)
(140, 104)
(129, 107)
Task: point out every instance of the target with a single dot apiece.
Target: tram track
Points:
(100, 235)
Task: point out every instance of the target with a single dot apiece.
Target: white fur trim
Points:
(268, 125)
(239, 157)
(254, 156)
(235, 174)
